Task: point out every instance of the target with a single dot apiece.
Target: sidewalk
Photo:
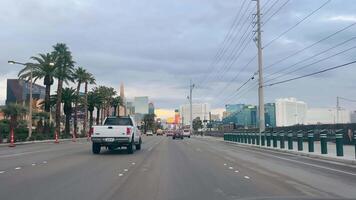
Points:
(349, 150)
(40, 141)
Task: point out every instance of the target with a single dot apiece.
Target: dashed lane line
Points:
(17, 168)
(246, 177)
(1, 172)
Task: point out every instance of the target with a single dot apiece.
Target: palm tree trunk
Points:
(76, 110)
(91, 119)
(58, 106)
(115, 107)
(47, 99)
(102, 114)
(86, 108)
(118, 110)
(67, 125)
(97, 115)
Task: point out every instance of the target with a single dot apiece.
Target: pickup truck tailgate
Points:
(110, 131)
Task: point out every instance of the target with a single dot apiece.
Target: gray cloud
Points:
(156, 47)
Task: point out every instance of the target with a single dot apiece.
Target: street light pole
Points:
(30, 65)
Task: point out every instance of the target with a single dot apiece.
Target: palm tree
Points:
(89, 79)
(64, 71)
(93, 100)
(116, 102)
(45, 69)
(107, 93)
(79, 75)
(14, 111)
(68, 98)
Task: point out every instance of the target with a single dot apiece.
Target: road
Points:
(195, 168)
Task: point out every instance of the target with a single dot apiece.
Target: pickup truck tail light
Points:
(128, 131)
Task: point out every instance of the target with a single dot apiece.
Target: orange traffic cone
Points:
(12, 138)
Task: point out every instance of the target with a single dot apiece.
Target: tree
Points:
(79, 75)
(68, 98)
(197, 124)
(148, 122)
(64, 72)
(43, 68)
(93, 101)
(14, 111)
(116, 102)
(89, 79)
(107, 94)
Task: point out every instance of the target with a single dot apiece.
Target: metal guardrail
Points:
(272, 138)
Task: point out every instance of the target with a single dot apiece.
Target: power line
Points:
(270, 8)
(313, 56)
(279, 9)
(223, 47)
(311, 74)
(295, 25)
(237, 46)
(311, 45)
(346, 99)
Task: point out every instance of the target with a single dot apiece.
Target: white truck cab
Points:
(116, 132)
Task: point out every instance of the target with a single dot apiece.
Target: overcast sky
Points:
(156, 46)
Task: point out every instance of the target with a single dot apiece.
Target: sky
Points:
(155, 47)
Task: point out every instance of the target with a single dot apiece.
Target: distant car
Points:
(178, 135)
(159, 132)
(186, 133)
(149, 133)
(169, 133)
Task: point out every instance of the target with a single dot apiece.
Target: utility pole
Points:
(191, 86)
(337, 109)
(261, 106)
(30, 106)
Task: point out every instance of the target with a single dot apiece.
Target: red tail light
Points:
(128, 131)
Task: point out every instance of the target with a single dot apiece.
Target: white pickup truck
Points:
(116, 132)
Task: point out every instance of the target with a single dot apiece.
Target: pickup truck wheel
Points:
(138, 146)
(130, 147)
(96, 148)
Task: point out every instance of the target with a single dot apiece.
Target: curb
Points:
(39, 142)
(340, 160)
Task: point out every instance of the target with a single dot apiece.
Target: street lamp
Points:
(30, 104)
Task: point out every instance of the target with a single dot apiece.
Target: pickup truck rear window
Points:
(118, 122)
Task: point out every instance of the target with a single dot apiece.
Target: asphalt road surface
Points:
(165, 169)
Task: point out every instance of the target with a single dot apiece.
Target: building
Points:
(151, 108)
(18, 91)
(353, 117)
(123, 108)
(198, 110)
(176, 116)
(270, 115)
(290, 111)
(141, 105)
(233, 108)
(327, 116)
(130, 108)
(247, 115)
(215, 117)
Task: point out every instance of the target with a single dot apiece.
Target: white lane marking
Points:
(17, 168)
(44, 162)
(236, 171)
(246, 177)
(149, 149)
(126, 170)
(133, 163)
(1, 172)
(231, 168)
(33, 164)
(120, 174)
(309, 164)
(225, 164)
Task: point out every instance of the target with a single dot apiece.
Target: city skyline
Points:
(145, 67)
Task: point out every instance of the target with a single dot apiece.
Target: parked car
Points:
(149, 133)
(116, 132)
